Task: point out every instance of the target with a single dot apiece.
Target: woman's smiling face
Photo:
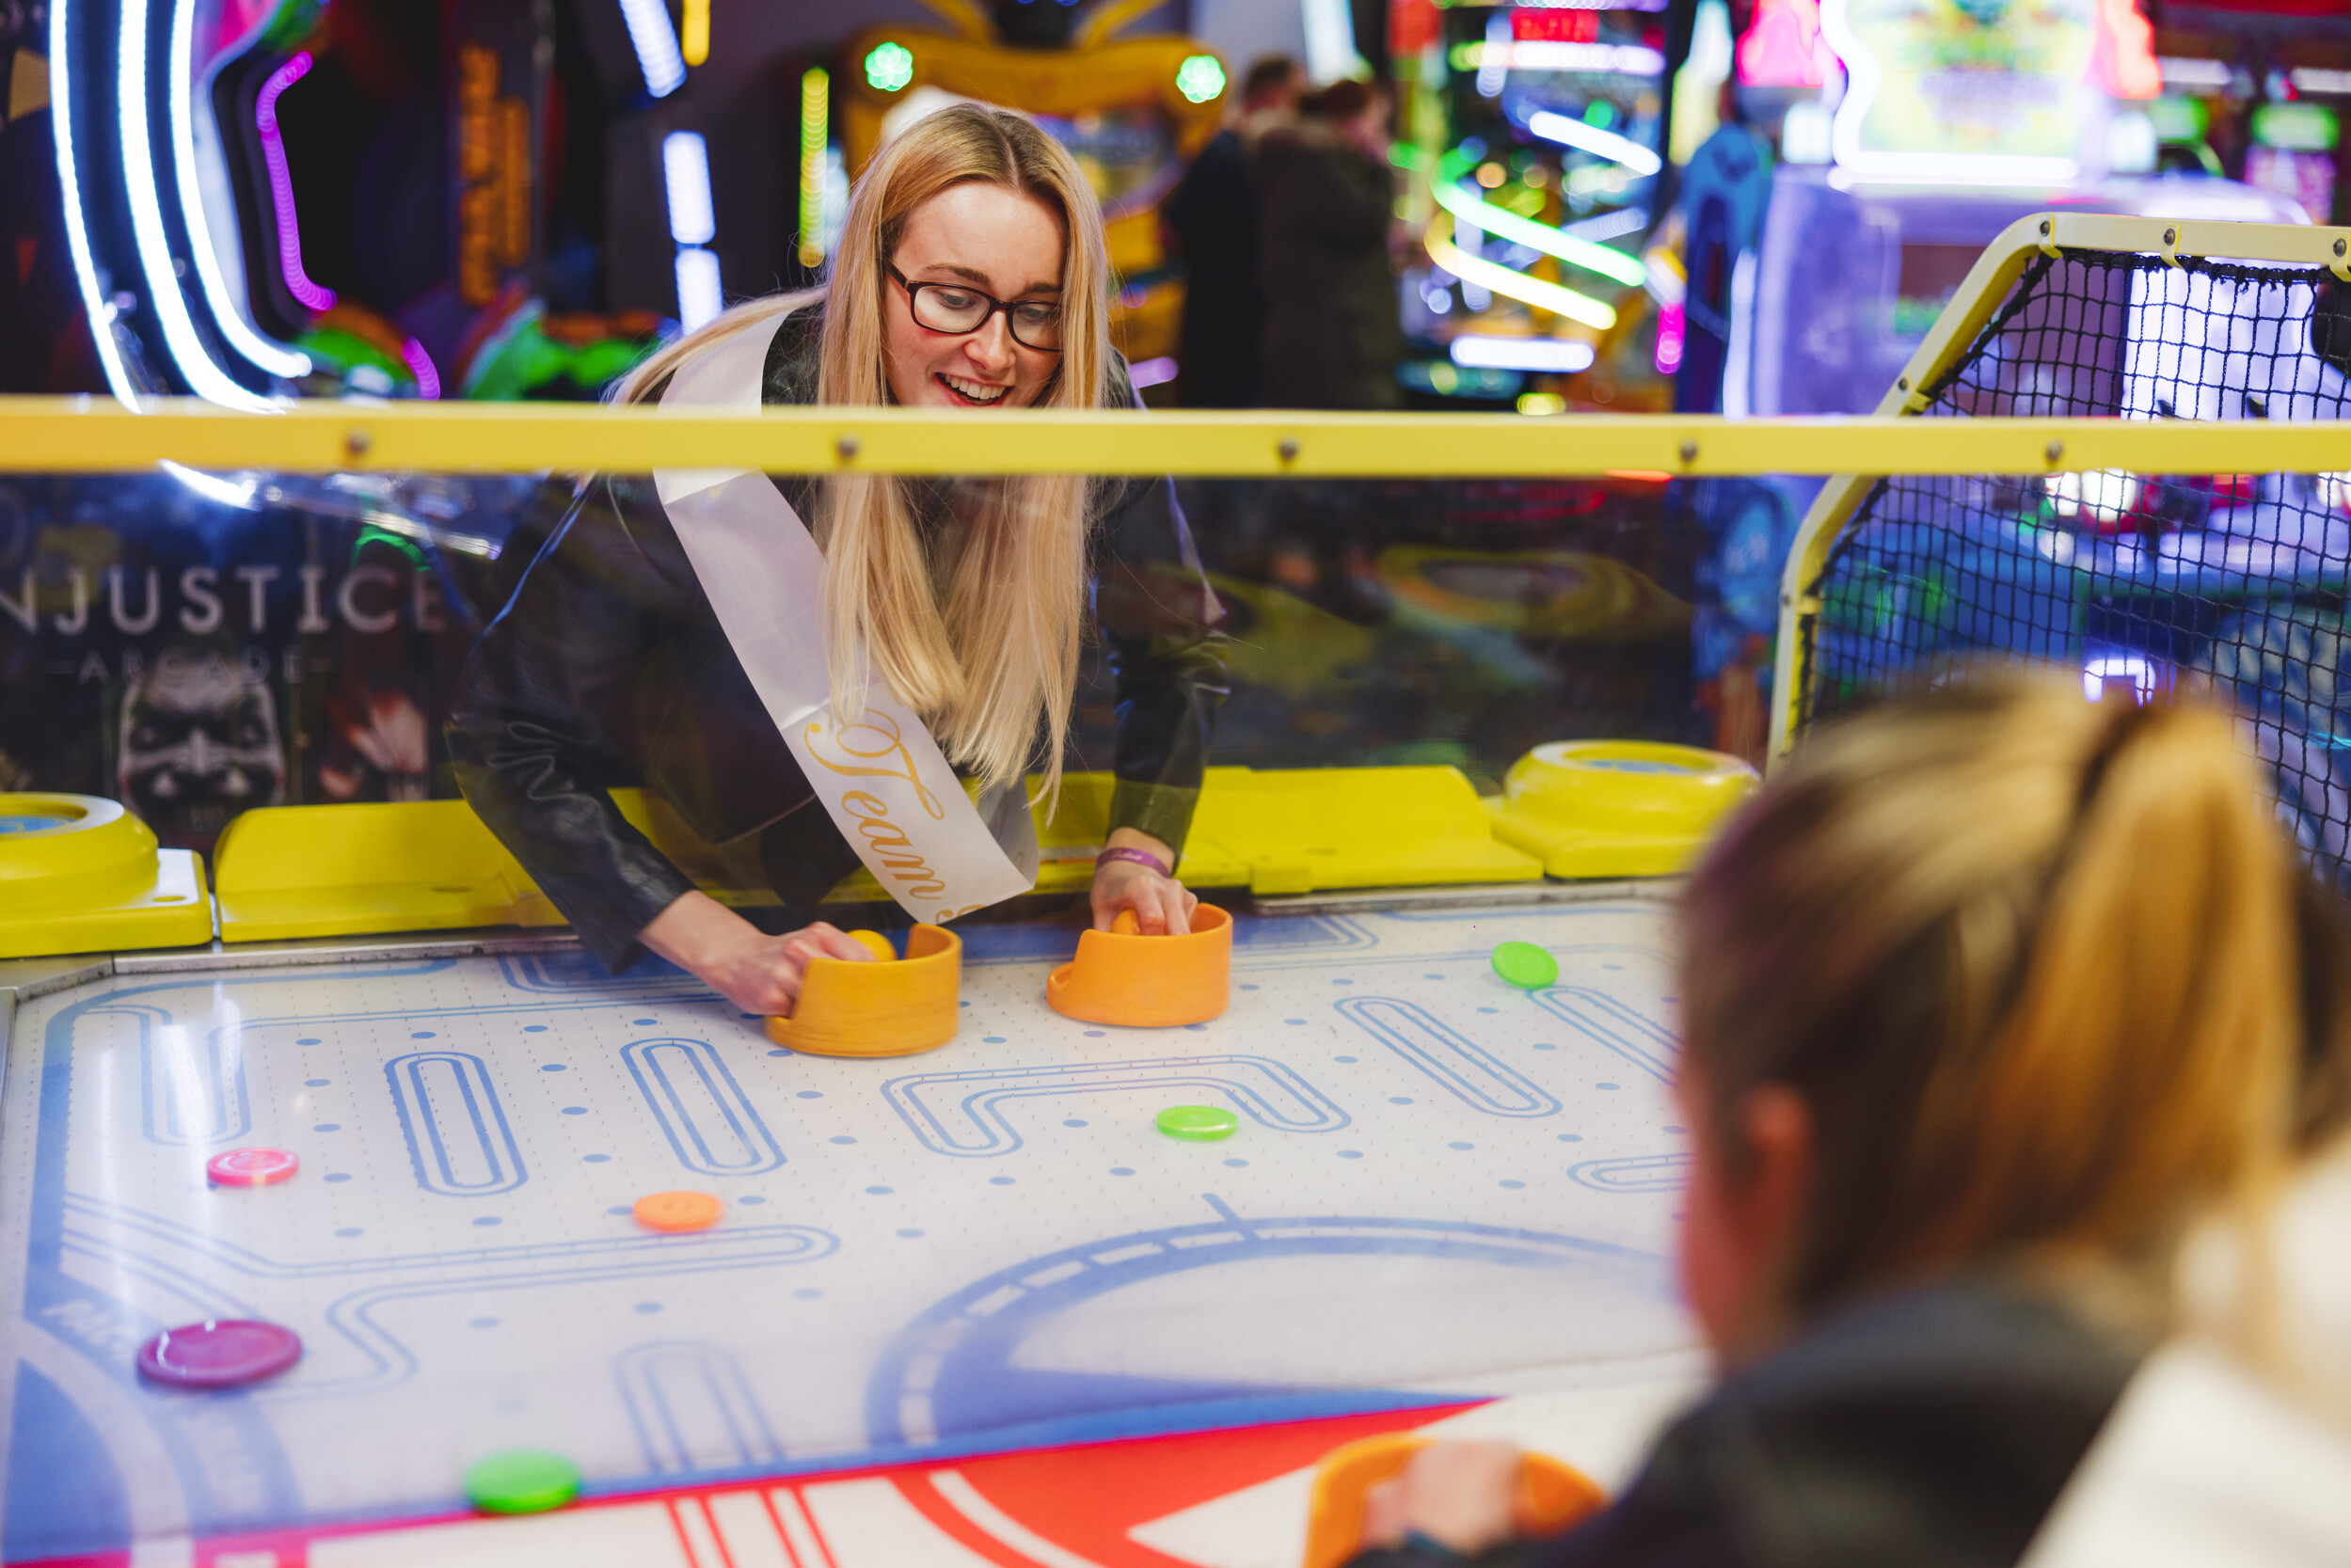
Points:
(1002, 243)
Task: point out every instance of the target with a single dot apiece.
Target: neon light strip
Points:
(1557, 354)
(275, 358)
(686, 178)
(699, 294)
(205, 378)
(1494, 64)
(298, 282)
(655, 44)
(1592, 139)
(420, 365)
(1542, 236)
(693, 43)
(76, 225)
(1512, 285)
(1629, 59)
(1865, 81)
(816, 118)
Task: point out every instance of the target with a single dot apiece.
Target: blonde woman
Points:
(971, 276)
(1986, 997)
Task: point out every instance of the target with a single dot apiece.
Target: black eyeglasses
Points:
(962, 310)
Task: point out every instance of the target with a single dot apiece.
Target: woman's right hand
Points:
(758, 972)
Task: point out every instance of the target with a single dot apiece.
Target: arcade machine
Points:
(1895, 169)
(1538, 137)
(1132, 109)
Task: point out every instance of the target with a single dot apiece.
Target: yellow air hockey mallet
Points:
(1549, 1498)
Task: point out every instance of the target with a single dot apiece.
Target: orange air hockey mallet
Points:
(1551, 1495)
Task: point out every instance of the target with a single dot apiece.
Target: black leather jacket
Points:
(1933, 1429)
(608, 668)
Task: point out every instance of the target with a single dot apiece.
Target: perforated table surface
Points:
(1443, 1191)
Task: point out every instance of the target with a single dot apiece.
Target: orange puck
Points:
(678, 1210)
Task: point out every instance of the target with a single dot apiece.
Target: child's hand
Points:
(1458, 1495)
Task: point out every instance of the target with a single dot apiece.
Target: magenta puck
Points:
(219, 1353)
(252, 1168)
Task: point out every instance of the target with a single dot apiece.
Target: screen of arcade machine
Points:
(1544, 181)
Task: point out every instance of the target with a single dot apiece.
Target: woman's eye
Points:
(954, 299)
(1037, 313)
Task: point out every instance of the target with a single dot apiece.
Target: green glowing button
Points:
(1200, 1123)
(522, 1480)
(1525, 965)
(1200, 78)
(890, 67)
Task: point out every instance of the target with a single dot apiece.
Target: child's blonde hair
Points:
(2045, 972)
(988, 652)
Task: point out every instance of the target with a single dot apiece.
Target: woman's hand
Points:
(1162, 905)
(1458, 1495)
(758, 972)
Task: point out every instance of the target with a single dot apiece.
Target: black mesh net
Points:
(2141, 581)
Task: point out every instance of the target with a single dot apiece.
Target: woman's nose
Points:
(991, 347)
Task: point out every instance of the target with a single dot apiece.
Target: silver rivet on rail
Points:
(1690, 451)
(1289, 449)
(356, 441)
(2055, 451)
(846, 447)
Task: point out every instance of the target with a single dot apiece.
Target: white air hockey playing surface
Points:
(1444, 1191)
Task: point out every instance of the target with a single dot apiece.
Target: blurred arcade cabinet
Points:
(1132, 109)
(372, 196)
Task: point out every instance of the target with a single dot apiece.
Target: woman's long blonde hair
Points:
(986, 653)
(2045, 972)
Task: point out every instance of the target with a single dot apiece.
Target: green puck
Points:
(521, 1481)
(1200, 1123)
(1525, 965)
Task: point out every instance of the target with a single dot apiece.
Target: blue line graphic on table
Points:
(1648, 1173)
(692, 1408)
(1466, 1069)
(458, 1139)
(961, 1113)
(955, 1371)
(578, 971)
(1604, 1019)
(192, 1092)
(704, 1113)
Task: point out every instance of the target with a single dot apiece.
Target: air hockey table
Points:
(966, 1307)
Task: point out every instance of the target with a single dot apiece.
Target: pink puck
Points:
(220, 1353)
(252, 1168)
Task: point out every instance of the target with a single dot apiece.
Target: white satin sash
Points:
(879, 773)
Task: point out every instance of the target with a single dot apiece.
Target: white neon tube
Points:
(1494, 64)
(699, 295)
(1556, 355)
(1514, 285)
(1541, 236)
(1592, 139)
(655, 44)
(77, 229)
(205, 378)
(274, 357)
(685, 181)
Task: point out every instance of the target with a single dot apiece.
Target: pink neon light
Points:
(281, 186)
(1782, 47)
(1673, 335)
(420, 365)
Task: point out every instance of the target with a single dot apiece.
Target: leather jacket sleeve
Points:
(542, 723)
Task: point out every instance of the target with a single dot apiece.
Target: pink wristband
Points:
(1140, 856)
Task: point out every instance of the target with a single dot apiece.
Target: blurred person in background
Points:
(1988, 997)
(1332, 333)
(1212, 217)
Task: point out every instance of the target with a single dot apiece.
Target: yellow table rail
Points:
(86, 435)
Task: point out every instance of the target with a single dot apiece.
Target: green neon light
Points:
(1514, 285)
(1200, 78)
(1609, 263)
(890, 67)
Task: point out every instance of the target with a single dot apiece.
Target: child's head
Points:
(1994, 977)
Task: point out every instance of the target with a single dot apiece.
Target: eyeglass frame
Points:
(994, 305)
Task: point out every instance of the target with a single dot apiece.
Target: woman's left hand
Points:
(1162, 905)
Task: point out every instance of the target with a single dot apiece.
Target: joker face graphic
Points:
(199, 744)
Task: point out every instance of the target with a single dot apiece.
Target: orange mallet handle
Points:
(1550, 1496)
